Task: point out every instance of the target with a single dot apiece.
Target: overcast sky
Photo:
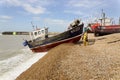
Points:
(16, 15)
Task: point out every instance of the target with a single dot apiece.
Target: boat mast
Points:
(33, 26)
(30, 33)
(103, 18)
(119, 20)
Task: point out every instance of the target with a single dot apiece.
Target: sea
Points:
(14, 57)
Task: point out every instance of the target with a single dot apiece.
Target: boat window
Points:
(35, 33)
(39, 32)
(43, 31)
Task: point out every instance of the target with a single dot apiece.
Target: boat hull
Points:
(47, 47)
(107, 30)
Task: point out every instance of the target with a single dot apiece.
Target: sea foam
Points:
(12, 67)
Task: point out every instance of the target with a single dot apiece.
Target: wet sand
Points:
(100, 60)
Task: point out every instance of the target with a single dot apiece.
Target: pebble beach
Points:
(99, 60)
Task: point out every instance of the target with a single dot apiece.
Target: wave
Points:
(13, 66)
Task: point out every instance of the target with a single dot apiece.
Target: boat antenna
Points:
(119, 20)
(33, 26)
(36, 27)
(103, 18)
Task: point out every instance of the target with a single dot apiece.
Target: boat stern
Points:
(25, 43)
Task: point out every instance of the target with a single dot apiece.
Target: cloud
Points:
(32, 1)
(36, 18)
(74, 12)
(30, 6)
(5, 17)
(85, 8)
(10, 2)
(86, 3)
(56, 24)
(33, 10)
(56, 21)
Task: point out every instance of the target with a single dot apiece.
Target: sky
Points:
(17, 15)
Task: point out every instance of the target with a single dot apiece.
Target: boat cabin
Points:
(39, 33)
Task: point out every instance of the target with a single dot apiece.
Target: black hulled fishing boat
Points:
(72, 35)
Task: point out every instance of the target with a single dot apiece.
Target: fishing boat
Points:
(46, 43)
(104, 26)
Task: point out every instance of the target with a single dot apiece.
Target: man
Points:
(85, 37)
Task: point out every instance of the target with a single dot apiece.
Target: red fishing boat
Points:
(72, 35)
(104, 26)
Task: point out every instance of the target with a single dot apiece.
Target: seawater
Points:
(14, 57)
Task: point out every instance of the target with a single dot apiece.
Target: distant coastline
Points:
(15, 33)
(22, 33)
